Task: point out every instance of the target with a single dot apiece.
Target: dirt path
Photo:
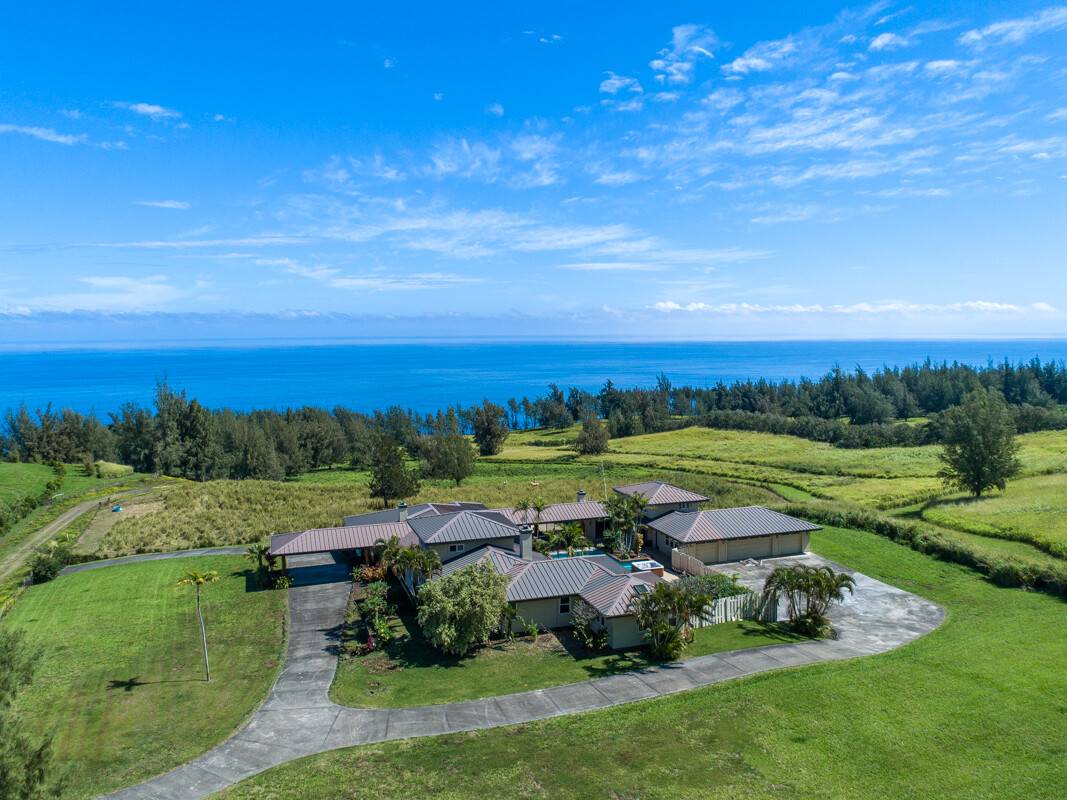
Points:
(10, 562)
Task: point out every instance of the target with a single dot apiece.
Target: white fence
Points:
(757, 605)
(683, 562)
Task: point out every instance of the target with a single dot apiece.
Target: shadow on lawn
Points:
(129, 684)
(774, 631)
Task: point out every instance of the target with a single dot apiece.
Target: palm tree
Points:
(809, 592)
(567, 537)
(538, 505)
(522, 509)
(411, 565)
(200, 579)
(258, 552)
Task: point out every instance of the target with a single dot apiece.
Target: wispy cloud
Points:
(885, 307)
(887, 41)
(494, 110)
(112, 293)
(676, 63)
(176, 205)
(1017, 31)
(43, 134)
(613, 84)
(150, 110)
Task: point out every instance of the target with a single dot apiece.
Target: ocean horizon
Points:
(427, 375)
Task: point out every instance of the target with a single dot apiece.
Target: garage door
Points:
(740, 549)
(789, 544)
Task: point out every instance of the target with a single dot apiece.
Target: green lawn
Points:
(976, 709)
(121, 680)
(1029, 510)
(415, 674)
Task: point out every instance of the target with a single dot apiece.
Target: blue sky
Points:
(674, 170)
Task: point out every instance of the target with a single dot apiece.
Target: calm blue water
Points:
(426, 376)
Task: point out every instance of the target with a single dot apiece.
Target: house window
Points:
(565, 605)
(455, 548)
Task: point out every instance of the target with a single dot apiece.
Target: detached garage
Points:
(730, 534)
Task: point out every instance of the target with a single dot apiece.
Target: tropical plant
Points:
(664, 614)
(258, 552)
(625, 513)
(588, 627)
(568, 538)
(980, 450)
(410, 564)
(199, 580)
(530, 510)
(809, 592)
(458, 612)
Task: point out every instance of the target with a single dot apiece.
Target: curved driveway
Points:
(299, 719)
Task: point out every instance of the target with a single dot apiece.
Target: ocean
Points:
(425, 376)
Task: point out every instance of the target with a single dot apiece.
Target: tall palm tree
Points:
(538, 505)
(199, 580)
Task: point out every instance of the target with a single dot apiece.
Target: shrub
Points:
(588, 628)
(459, 611)
(48, 560)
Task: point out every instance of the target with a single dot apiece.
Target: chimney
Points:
(403, 509)
(581, 495)
(526, 541)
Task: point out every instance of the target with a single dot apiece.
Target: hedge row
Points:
(1002, 571)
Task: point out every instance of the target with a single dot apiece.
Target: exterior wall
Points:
(623, 632)
(786, 544)
(656, 511)
(507, 543)
(544, 612)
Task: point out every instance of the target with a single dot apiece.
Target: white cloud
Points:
(150, 110)
(178, 205)
(438, 96)
(388, 63)
(942, 66)
(71, 113)
(1016, 31)
(862, 309)
(43, 134)
(613, 266)
(494, 110)
(764, 56)
(887, 41)
(113, 293)
(465, 159)
(689, 43)
(613, 84)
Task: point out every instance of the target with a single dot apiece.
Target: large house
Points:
(544, 590)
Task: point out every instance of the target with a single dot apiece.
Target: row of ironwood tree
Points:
(179, 436)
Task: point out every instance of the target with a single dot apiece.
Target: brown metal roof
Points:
(322, 540)
(558, 513)
(462, 526)
(611, 594)
(658, 493)
(728, 523)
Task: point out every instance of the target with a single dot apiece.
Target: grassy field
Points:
(121, 680)
(235, 512)
(414, 674)
(1030, 510)
(973, 710)
(879, 478)
(21, 480)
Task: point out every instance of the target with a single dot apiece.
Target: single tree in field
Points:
(447, 455)
(198, 580)
(24, 761)
(980, 450)
(390, 478)
(567, 538)
(593, 438)
(490, 428)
